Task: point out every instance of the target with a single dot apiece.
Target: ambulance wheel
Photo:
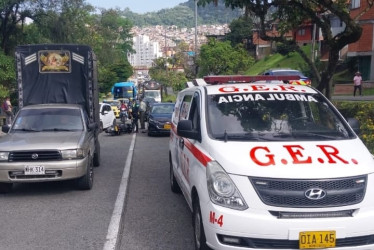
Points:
(173, 182)
(5, 187)
(198, 228)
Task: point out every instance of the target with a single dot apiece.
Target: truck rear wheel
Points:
(86, 181)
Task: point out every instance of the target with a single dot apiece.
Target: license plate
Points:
(317, 239)
(34, 170)
(167, 126)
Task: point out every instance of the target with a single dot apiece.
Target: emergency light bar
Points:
(246, 79)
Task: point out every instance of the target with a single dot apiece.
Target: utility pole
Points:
(313, 43)
(196, 26)
(195, 56)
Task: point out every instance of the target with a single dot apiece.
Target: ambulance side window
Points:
(194, 112)
(185, 107)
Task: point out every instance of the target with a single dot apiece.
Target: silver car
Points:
(49, 142)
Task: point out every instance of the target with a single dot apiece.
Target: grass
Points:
(292, 60)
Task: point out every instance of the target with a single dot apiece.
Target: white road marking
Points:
(115, 221)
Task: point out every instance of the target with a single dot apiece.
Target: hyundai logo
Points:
(34, 156)
(315, 194)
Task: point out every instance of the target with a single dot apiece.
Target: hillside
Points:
(183, 15)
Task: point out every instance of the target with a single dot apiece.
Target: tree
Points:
(221, 58)
(290, 14)
(7, 75)
(240, 31)
(13, 14)
(164, 73)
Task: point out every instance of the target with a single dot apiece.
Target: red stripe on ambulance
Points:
(200, 156)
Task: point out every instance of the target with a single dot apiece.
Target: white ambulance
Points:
(270, 166)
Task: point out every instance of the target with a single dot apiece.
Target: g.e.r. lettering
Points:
(263, 156)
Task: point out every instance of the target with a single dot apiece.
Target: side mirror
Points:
(5, 128)
(355, 125)
(185, 129)
(92, 126)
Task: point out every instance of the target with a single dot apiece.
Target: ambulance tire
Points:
(173, 182)
(198, 228)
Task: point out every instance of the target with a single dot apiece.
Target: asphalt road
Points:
(55, 216)
(154, 217)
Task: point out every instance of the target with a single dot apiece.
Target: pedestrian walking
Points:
(8, 110)
(142, 109)
(357, 83)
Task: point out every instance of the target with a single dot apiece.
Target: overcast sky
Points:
(137, 6)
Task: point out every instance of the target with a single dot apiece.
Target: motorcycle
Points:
(123, 115)
(122, 128)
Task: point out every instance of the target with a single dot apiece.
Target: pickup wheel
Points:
(101, 127)
(86, 181)
(173, 182)
(5, 187)
(198, 228)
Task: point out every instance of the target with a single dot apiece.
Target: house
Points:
(363, 50)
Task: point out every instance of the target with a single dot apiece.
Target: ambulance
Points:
(270, 166)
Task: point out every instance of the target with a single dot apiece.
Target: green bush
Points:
(364, 113)
(169, 98)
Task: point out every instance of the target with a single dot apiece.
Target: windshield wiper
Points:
(58, 129)
(315, 135)
(26, 130)
(239, 137)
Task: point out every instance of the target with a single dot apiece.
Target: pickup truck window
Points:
(49, 119)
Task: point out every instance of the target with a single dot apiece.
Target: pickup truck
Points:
(39, 127)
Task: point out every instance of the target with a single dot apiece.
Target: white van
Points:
(270, 166)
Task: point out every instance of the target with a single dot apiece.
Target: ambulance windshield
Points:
(274, 116)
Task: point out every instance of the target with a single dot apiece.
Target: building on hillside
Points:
(363, 50)
(145, 51)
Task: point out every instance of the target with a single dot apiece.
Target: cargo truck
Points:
(55, 133)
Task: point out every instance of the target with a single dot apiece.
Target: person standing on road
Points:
(142, 109)
(135, 117)
(357, 83)
(7, 108)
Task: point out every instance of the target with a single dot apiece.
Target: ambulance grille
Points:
(294, 193)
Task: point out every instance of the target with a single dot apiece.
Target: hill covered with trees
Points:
(183, 15)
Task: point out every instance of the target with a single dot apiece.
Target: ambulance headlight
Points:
(222, 190)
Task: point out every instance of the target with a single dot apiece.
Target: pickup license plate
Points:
(167, 126)
(34, 170)
(317, 239)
